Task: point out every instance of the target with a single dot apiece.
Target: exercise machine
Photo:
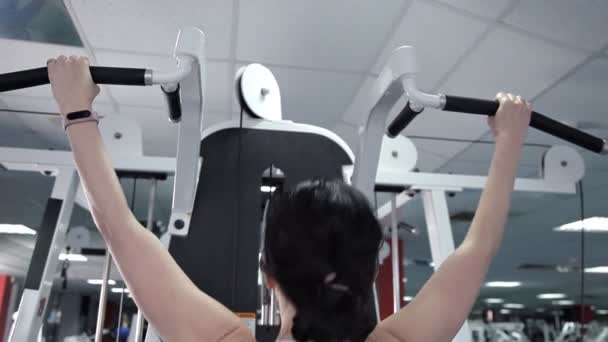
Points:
(389, 164)
(127, 157)
(184, 89)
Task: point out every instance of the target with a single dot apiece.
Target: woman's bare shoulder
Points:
(381, 334)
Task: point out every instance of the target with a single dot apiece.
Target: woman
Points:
(321, 244)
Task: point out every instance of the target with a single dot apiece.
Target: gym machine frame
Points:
(126, 156)
(184, 89)
(396, 80)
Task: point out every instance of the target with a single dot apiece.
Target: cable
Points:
(582, 211)
(490, 142)
(122, 292)
(238, 207)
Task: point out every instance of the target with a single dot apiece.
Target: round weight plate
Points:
(260, 92)
(562, 164)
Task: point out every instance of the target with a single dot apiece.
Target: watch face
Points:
(78, 115)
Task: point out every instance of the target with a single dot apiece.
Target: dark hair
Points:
(321, 246)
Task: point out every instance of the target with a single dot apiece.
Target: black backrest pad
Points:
(220, 254)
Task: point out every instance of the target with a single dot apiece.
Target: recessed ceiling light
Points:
(503, 284)
(563, 302)
(601, 312)
(407, 298)
(120, 290)
(100, 281)
(514, 306)
(16, 229)
(591, 224)
(505, 311)
(540, 310)
(73, 257)
(551, 296)
(494, 300)
(597, 269)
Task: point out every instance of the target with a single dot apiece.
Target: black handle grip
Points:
(401, 121)
(101, 75)
(174, 102)
(538, 121)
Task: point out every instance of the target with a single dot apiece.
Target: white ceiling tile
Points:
(428, 162)
(356, 112)
(348, 132)
(438, 46)
(510, 61)
(435, 123)
(580, 97)
(315, 97)
(218, 80)
(577, 23)
(344, 34)
(29, 55)
(482, 153)
(578, 100)
(151, 26)
(444, 149)
(490, 9)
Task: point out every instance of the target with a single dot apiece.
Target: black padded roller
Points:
(538, 121)
(101, 75)
(401, 121)
(175, 104)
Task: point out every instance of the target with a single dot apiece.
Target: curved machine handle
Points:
(101, 75)
(489, 107)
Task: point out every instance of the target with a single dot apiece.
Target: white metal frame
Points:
(34, 300)
(126, 155)
(376, 165)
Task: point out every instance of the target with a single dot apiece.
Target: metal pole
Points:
(139, 326)
(103, 297)
(272, 309)
(376, 302)
(441, 239)
(395, 256)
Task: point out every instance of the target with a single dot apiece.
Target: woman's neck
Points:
(286, 324)
(288, 312)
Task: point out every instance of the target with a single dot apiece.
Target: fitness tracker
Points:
(79, 117)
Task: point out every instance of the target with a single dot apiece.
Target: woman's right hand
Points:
(512, 118)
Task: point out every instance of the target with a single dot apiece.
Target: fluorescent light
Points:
(551, 296)
(120, 290)
(563, 302)
(73, 257)
(598, 269)
(494, 300)
(505, 311)
(514, 306)
(503, 284)
(601, 312)
(266, 188)
(100, 281)
(16, 229)
(591, 224)
(407, 298)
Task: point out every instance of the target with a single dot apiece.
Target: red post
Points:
(5, 294)
(384, 283)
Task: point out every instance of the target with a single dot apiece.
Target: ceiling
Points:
(326, 56)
